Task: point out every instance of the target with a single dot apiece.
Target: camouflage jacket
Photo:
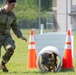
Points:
(7, 22)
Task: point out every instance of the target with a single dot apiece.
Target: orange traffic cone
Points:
(67, 56)
(31, 62)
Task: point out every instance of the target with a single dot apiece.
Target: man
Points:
(7, 22)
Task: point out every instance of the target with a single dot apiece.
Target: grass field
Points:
(17, 64)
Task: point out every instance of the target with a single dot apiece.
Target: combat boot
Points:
(3, 67)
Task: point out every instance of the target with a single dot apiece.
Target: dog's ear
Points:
(55, 54)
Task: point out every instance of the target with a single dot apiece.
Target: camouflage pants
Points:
(9, 46)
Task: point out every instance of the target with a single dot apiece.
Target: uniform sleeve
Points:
(16, 29)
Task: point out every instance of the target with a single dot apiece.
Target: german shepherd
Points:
(49, 60)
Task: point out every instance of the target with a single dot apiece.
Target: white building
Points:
(62, 20)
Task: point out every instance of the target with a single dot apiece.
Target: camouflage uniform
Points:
(7, 22)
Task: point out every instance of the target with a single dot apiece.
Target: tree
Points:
(45, 4)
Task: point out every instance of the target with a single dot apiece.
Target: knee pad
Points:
(10, 51)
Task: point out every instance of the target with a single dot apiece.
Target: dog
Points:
(49, 60)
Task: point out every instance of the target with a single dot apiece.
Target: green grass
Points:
(17, 64)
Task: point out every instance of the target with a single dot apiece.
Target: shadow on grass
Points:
(26, 72)
(67, 70)
(39, 72)
(33, 72)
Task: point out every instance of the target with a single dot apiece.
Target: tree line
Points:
(27, 12)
